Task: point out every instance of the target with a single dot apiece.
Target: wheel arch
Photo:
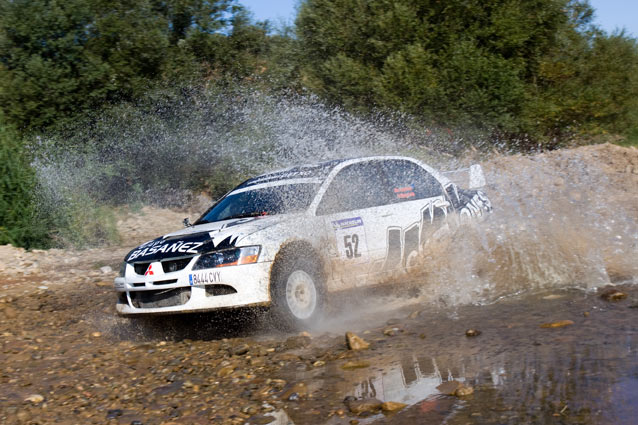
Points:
(291, 250)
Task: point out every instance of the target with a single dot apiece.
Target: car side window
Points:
(357, 186)
(408, 181)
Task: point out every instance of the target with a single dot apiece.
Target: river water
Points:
(521, 373)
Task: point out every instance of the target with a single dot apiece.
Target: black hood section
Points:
(172, 247)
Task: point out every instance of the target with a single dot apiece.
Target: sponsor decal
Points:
(347, 223)
(204, 278)
(404, 192)
(170, 247)
(149, 271)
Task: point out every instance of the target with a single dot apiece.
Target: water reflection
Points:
(586, 373)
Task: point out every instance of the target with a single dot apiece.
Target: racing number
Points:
(351, 243)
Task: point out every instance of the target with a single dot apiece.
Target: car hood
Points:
(201, 238)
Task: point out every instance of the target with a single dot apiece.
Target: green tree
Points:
(19, 223)
(512, 66)
(59, 59)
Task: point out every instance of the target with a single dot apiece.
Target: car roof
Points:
(319, 172)
(313, 171)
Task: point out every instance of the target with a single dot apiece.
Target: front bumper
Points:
(192, 291)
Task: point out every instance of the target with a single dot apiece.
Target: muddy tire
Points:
(297, 293)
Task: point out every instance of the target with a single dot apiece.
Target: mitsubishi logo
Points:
(149, 271)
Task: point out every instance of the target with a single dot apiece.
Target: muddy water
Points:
(584, 373)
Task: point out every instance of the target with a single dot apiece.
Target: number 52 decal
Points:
(351, 244)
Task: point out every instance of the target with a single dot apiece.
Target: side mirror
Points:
(187, 222)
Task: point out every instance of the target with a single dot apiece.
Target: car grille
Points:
(175, 265)
(167, 266)
(140, 268)
(158, 299)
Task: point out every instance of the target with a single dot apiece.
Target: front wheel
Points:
(296, 293)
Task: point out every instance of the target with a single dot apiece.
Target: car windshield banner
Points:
(177, 246)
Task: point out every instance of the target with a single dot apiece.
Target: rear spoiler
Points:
(472, 175)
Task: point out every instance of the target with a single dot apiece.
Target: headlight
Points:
(228, 257)
(122, 269)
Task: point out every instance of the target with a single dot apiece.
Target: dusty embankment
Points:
(67, 358)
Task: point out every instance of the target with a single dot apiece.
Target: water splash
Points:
(559, 220)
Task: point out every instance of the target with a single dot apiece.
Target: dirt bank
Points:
(67, 358)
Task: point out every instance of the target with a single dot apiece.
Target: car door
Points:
(417, 209)
(349, 210)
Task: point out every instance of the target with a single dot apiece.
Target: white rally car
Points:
(286, 239)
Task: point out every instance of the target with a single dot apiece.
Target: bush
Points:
(19, 224)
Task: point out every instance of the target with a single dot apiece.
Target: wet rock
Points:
(392, 406)
(114, 413)
(295, 392)
(449, 387)
(391, 331)
(225, 371)
(558, 324)
(34, 399)
(552, 297)
(355, 342)
(261, 419)
(612, 294)
(463, 391)
(298, 341)
(455, 388)
(472, 333)
(355, 364)
(367, 405)
(241, 349)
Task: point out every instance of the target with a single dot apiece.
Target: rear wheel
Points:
(296, 292)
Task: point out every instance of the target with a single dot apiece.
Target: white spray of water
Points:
(558, 222)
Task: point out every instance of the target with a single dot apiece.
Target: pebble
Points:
(472, 333)
(354, 364)
(558, 324)
(367, 405)
(114, 413)
(355, 342)
(392, 406)
(449, 387)
(106, 269)
(463, 391)
(390, 331)
(242, 349)
(612, 294)
(35, 399)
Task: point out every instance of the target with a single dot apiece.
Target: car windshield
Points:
(280, 199)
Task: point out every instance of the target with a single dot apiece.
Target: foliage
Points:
(19, 223)
(62, 60)
(536, 68)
